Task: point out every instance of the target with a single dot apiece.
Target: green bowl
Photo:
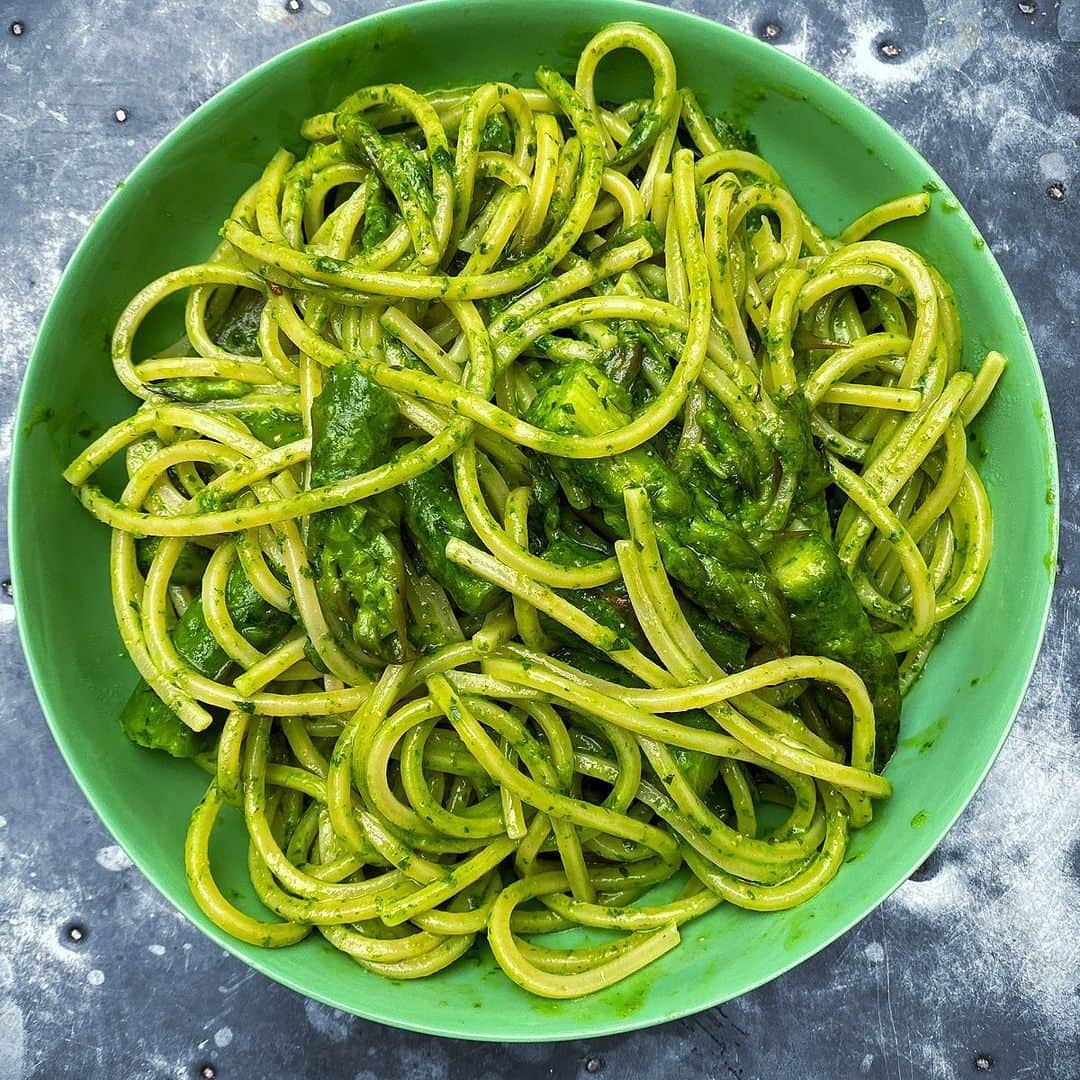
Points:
(839, 159)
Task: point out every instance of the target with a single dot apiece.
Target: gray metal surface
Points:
(970, 967)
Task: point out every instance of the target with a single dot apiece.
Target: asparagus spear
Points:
(356, 550)
(702, 550)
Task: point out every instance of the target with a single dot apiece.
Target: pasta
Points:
(536, 509)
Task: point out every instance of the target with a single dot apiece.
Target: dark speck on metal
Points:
(926, 870)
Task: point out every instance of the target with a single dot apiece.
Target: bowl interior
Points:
(839, 159)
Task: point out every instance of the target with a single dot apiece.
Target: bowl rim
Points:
(828, 97)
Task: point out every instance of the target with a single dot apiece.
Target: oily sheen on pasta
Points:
(537, 508)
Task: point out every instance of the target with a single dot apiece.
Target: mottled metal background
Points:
(970, 967)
